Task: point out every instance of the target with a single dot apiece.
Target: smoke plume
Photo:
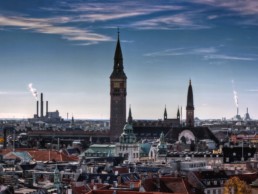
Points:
(33, 91)
(235, 98)
(235, 94)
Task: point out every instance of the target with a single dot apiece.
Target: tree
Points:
(235, 186)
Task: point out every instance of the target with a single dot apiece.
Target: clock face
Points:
(116, 84)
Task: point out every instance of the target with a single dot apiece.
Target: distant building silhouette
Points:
(117, 94)
(247, 116)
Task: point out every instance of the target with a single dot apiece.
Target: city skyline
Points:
(65, 49)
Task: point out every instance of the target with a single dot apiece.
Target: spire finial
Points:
(118, 32)
(190, 82)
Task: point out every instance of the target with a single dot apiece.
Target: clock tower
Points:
(190, 107)
(117, 94)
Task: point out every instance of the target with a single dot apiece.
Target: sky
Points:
(65, 49)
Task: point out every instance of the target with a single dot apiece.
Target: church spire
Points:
(190, 103)
(165, 113)
(178, 113)
(190, 106)
(130, 118)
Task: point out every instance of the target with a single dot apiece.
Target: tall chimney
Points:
(37, 108)
(46, 108)
(41, 105)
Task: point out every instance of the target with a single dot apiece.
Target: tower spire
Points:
(178, 113)
(190, 106)
(130, 118)
(118, 33)
(165, 113)
(118, 69)
(190, 103)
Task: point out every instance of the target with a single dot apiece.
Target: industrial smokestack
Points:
(41, 105)
(37, 108)
(46, 108)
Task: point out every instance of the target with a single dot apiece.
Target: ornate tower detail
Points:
(165, 114)
(190, 107)
(128, 136)
(117, 94)
(162, 146)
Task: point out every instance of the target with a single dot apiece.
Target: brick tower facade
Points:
(117, 94)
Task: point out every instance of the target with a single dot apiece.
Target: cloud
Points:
(52, 26)
(143, 15)
(182, 51)
(177, 21)
(247, 7)
(75, 21)
(106, 11)
(228, 57)
(209, 53)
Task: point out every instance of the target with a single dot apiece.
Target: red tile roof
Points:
(122, 192)
(44, 155)
(51, 155)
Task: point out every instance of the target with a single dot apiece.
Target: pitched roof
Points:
(166, 184)
(51, 155)
(43, 155)
(25, 156)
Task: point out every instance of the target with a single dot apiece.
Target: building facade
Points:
(128, 146)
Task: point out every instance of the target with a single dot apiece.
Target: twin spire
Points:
(166, 115)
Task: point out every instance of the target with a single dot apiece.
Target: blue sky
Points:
(66, 49)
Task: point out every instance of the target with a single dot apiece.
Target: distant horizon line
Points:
(99, 119)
